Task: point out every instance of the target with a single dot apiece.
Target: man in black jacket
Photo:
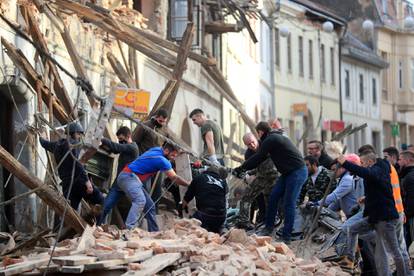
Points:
(379, 213)
(406, 162)
(66, 152)
(128, 151)
(289, 162)
(209, 189)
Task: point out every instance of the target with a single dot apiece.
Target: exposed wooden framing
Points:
(169, 93)
(229, 95)
(39, 39)
(170, 45)
(217, 27)
(50, 196)
(121, 51)
(35, 80)
(107, 23)
(120, 71)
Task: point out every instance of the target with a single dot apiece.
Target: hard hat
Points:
(74, 127)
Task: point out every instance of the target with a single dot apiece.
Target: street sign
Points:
(300, 109)
(136, 101)
(395, 130)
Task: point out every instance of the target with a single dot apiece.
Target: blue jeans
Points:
(287, 187)
(141, 202)
(385, 234)
(110, 201)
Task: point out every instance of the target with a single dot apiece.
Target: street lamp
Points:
(328, 26)
(368, 25)
(409, 22)
(284, 31)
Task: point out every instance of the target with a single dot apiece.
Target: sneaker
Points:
(265, 232)
(346, 262)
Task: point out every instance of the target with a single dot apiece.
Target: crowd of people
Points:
(375, 194)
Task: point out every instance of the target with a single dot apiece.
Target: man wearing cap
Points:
(66, 153)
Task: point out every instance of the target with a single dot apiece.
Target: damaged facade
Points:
(198, 89)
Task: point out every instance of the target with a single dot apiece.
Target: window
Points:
(412, 73)
(300, 49)
(361, 88)
(332, 52)
(400, 75)
(347, 85)
(179, 18)
(323, 71)
(277, 48)
(374, 91)
(310, 59)
(289, 54)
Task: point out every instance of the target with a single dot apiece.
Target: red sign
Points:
(333, 125)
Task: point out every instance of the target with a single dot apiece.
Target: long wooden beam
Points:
(38, 38)
(110, 25)
(169, 93)
(50, 196)
(120, 71)
(35, 80)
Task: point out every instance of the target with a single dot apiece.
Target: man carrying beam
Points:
(66, 154)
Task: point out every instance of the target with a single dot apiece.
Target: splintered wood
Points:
(183, 249)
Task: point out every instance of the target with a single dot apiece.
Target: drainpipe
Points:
(269, 21)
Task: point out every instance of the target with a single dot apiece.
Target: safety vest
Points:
(396, 191)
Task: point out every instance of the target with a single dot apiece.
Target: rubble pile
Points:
(183, 249)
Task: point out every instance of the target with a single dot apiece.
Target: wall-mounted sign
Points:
(300, 109)
(135, 101)
(333, 125)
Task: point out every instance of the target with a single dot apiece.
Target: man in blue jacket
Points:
(379, 213)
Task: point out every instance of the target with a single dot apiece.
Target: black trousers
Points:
(79, 191)
(211, 223)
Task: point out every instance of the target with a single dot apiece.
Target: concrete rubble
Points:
(184, 248)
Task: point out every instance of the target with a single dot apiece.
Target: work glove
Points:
(238, 172)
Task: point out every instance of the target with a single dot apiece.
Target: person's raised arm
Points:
(115, 147)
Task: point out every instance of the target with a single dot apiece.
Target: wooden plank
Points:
(23, 267)
(87, 240)
(35, 80)
(108, 24)
(183, 169)
(137, 257)
(50, 196)
(120, 71)
(77, 269)
(39, 39)
(155, 264)
(74, 260)
(169, 93)
(228, 94)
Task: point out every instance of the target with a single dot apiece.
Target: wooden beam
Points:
(218, 27)
(170, 45)
(39, 39)
(108, 24)
(228, 94)
(50, 196)
(35, 80)
(120, 71)
(169, 93)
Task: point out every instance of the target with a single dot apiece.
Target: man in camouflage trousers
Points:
(260, 181)
(317, 181)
